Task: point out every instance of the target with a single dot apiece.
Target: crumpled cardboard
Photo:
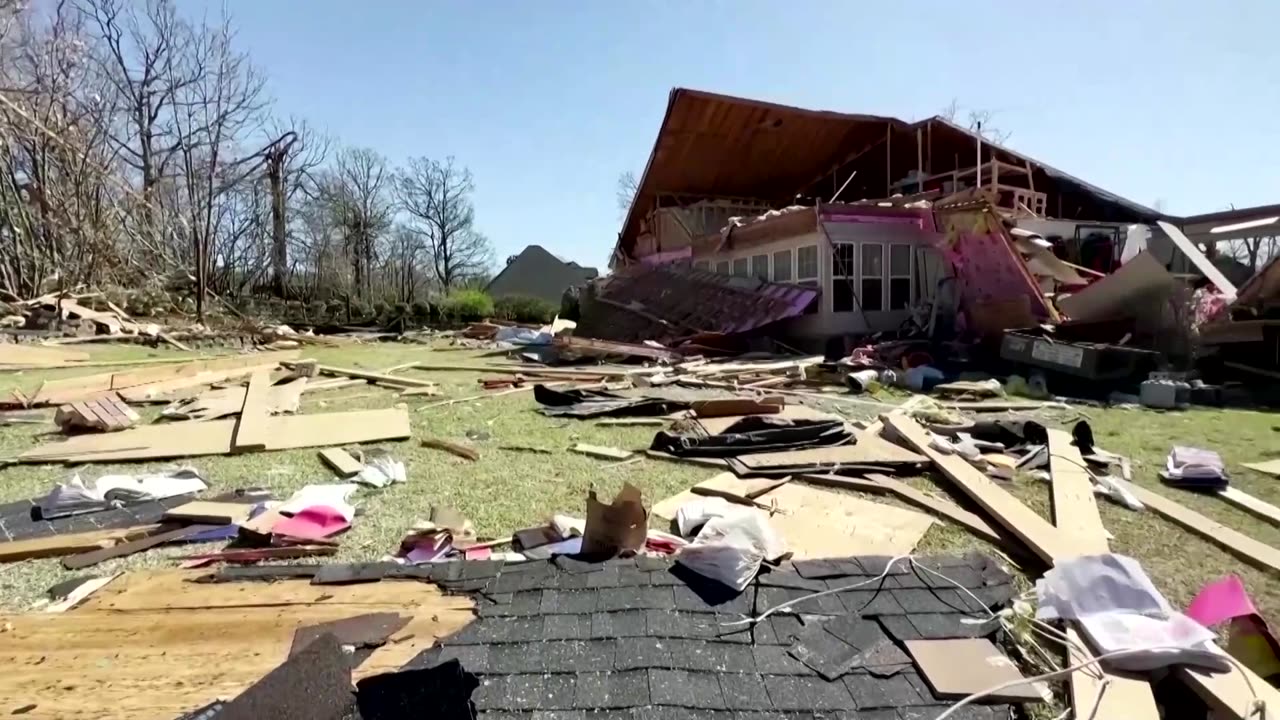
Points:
(613, 528)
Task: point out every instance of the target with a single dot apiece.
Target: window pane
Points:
(899, 293)
(701, 264)
(760, 266)
(807, 262)
(782, 266)
(842, 299)
(741, 268)
(872, 290)
(900, 260)
(842, 260)
(872, 260)
(722, 267)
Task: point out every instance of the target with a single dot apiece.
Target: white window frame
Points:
(791, 267)
(884, 271)
(849, 274)
(908, 276)
(814, 280)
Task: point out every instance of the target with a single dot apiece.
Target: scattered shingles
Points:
(477, 569)
(633, 577)
(576, 602)
(558, 692)
(790, 692)
(572, 565)
(824, 569)
(792, 580)
(778, 629)
(711, 656)
(660, 578)
(744, 692)
(943, 626)
(643, 653)
(995, 595)
(770, 597)
(826, 654)
(568, 627)
(635, 598)
(688, 600)
(891, 692)
(528, 602)
(870, 602)
(612, 690)
(685, 689)
(899, 627)
(774, 660)
(620, 624)
(510, 692)
(921, 601)
(508, 629)
(516, 658)
(607, 578)
(474, 658)
(875, 565)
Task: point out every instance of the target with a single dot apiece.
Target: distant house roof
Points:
(535, 272)
(718, 146)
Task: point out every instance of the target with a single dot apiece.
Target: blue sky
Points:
(548, 101)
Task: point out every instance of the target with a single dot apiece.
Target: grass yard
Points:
(507, 490)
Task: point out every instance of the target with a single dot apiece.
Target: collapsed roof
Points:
(712, 146)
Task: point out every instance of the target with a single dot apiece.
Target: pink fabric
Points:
(1220, 601)
(313, 523)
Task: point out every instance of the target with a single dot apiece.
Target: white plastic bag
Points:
(730, 548)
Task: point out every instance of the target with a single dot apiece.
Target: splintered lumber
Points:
(59, 545)
(469, 398)
(132, 547)
(15, 354)
(341, 462)
(601, 452)
(453, 448)
(944, 508)
(1234, 542)
(383, 378)
(250, 434)
(905, 408)
(182, 387)
(1046, 541)
(1075, 511)
(1248, 503)
(172, 440)
(57, 392)
(106, 413)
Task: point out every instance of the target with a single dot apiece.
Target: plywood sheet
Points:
(945, 508)
(869, 450)
(818, 523)
(190, 439)
(140, 660)
(956, 669)
(731, 486)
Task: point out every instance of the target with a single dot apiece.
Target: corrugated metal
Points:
(720, 146)
(664, 303)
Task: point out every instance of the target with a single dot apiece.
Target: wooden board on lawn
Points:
(209, 513)
(728, 485)
(71, 389)
(251, 429)
(15, 354)
(884, 484)
(193, 439)
(1251, 504)
(869, 450)
(1074, 510)
(59, 545)
(341, 462)
(817, 523)
(1233, 541)
(1270, 467)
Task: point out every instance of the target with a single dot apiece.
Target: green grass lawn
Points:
(507, 490)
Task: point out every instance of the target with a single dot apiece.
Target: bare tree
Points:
(979, 121)
(626, 192)
(356, 191)
(437, 198)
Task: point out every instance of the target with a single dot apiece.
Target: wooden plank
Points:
(884, 484)
(1234, 542)
(60, 545)
(453, 448)
(1202, 263)
(73, 389)
(601, 452)
(869, 450)
(155, 442)
(209, 513)
(1251, 504)
(732, 487)
(1232, 695)
(907, 406)
(1040, 537)
(341, 462)
(188, 385)
(132, 547)
(250, 433)
(819, 523)
(18, 354)
(395, 380)
(1074, 510)
(1270, 467)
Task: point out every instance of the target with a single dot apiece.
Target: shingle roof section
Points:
(565, 640)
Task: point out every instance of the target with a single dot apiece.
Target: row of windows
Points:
(858, 273)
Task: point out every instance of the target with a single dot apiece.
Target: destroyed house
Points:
(848, 204)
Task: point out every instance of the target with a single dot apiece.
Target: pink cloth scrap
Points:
(313, 523)
(1220, 601)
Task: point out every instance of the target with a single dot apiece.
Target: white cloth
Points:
(1119, 609)
(730, 548)
(381, 470)
(334, 496)
(115, 490)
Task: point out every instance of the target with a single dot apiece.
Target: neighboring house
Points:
(539, 274)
